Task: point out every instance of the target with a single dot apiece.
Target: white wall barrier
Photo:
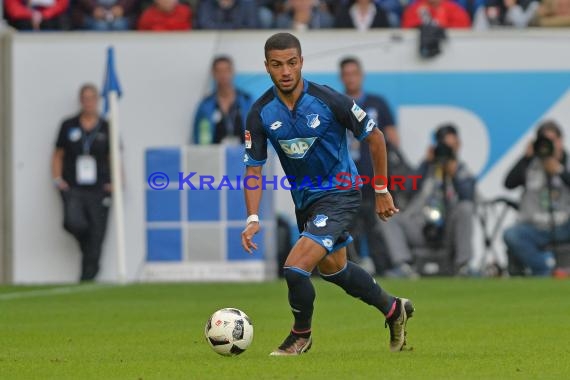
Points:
(496, 87)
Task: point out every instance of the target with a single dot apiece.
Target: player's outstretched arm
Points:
(253, 190)
(384, 203)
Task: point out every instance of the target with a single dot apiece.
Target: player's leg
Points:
(297, 271)
(358, 283)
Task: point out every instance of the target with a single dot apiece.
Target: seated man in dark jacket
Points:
(441, 213)
(545, 205)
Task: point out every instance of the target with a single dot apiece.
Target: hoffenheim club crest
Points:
(313, 120)
(320, 220)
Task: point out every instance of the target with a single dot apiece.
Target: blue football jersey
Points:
(310, 140)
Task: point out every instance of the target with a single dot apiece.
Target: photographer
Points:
(440, 216)
(545, 205)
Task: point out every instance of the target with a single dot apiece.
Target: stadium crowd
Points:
(176, 15)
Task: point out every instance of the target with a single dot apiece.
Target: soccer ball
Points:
(229, 331)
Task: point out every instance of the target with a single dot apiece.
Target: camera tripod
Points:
(491, 215)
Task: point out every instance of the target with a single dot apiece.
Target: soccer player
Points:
(306, 124)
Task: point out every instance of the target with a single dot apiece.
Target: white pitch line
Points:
(53, 291)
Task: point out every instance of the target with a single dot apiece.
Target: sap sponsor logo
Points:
(358, 112)
(320, 220)
(328, 243)
(276, 125)
(313, 120)
(370, 125)
(297, 148)
(247, 140)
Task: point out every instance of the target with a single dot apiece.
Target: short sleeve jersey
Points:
(310, 140)
(75, 142)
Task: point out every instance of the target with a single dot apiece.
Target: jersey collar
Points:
(305, 88)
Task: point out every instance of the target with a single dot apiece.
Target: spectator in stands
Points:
(227, 14)
(515, 13)
(394, 10)
(368, 242)
(361, 15)
(472, 6)
(440, 216)
(166, 15)
(81, 172)
(554, 13)
(446, 13)
(103, 15)
(305, 14)
(221, 116)
(267, 10)
(544, 211)
(36, 14)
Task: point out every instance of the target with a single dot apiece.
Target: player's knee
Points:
(294, 275)
(337, 275)
(328, 267)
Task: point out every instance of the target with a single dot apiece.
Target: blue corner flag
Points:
(111, 80)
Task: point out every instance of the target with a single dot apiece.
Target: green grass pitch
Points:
(481, 329)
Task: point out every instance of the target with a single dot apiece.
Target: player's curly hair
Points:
(282, 41)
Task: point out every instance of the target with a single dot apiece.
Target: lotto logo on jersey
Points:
(370, 125)
(297, 148)
(358, 112)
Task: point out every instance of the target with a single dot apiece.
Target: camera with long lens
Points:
(434, 210)
(434, 216)
(543, 147)
(443, 153)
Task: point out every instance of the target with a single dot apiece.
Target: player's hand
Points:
(247, 236)
(385, 206)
